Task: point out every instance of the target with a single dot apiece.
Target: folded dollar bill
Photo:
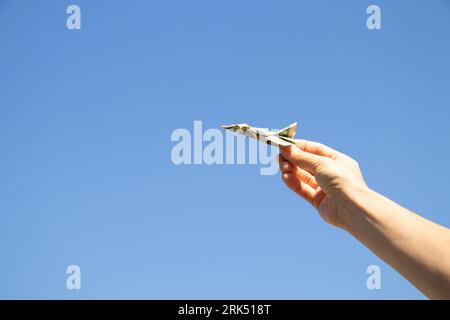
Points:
(283, 137)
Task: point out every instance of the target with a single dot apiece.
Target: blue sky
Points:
(86, 117)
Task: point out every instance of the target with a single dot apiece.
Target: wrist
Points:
(354, 212)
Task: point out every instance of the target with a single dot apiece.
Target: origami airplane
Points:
(283, 137)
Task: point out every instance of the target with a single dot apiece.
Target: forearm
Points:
(417, 248)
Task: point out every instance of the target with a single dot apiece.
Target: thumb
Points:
(302, 159)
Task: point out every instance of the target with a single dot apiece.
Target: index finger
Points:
(316, 148)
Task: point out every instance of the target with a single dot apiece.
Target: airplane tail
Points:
(289, 131)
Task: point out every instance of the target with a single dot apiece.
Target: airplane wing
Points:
(273, 140)
(231, 126)
(289, 140)
(242, 126)
(289, 131)
(284, 137)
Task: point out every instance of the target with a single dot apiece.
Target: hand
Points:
(324, 177)
(332, 182)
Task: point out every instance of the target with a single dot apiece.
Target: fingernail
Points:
(284, 166)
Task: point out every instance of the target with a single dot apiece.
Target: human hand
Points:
(332, 182)
(324, 177)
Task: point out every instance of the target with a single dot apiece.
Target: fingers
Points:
(300, 174)
(301, 188)
(306, 177)
(317, 148)
(305, 160)
(301, 182)
(285, 166)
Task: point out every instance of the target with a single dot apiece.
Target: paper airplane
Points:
(283, 137)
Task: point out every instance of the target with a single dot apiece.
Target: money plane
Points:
(283, 137)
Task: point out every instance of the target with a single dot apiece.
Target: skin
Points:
(333, 184)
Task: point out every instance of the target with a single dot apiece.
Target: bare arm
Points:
(332, 182)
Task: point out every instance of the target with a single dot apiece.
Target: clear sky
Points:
(86, 117)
